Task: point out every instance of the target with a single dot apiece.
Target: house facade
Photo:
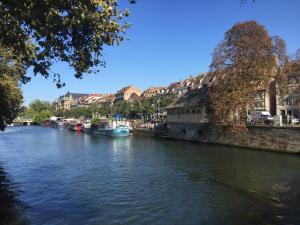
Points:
(126, 93)
(152, 91)
(68, 100)
(190, 108)
(290, 103)
(265, 99)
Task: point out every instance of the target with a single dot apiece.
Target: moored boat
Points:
(75, 127)
(113, 128)
(87, 127)
(119, 131)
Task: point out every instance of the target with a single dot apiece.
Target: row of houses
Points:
(191, 93)
(191, 107)
(71, 100)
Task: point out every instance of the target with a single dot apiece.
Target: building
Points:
(191, 108)
(177, 88)
(98, 100)
(126, 93)
(265, 99)
(290, 103)
(181, 87)
(68, 100)
(152, 91)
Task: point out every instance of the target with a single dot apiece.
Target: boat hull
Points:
(115, 132)
(76, 127)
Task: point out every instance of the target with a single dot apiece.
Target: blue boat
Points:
(113, 128)
(120, 131)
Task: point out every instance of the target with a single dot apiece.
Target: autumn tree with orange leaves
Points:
(244, 62)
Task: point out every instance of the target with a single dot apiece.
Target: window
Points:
(259, 101)
(187, 111)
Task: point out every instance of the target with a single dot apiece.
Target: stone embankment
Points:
(278, 139)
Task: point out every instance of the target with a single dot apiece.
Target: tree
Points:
(42, 32)
(243, 63)
(39, 117)
(10, 94)
(10, 100)
(283, 63)
(38, 111)
(95, 121)
(37, 33)
(40, 105)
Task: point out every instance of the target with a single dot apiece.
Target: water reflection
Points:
(10, 207)
(68, 178)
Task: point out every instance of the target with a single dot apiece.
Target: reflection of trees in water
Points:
(9, 205)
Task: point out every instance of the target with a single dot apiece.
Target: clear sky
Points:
(170, 40)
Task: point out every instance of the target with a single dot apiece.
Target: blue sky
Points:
(170, 40)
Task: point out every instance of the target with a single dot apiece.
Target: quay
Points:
(267, 138)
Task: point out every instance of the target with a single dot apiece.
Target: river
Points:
(58, 177)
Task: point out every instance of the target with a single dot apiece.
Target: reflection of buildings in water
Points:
(10, 206)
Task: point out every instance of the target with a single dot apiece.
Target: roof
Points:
(134, 96)
(101, 98)
(74, 95)
(124, 89)
(154, 90)
(193, 98)
(174, 85)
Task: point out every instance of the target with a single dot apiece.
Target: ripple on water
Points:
(70, 178)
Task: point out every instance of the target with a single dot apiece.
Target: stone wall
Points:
(149, 133)
(280, 139)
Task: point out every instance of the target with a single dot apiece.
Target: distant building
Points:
(152, 91)
(106, 100)
(126, 93)
(181, 87)
(68, 100)
(176, 88)
(100, 100)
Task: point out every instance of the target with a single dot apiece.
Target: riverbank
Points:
(267, 138)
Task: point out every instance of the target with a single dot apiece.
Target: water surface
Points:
(57, 177)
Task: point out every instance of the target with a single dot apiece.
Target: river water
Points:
(58, 177)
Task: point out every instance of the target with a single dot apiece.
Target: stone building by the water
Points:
(190, 108)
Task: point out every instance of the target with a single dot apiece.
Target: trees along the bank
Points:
(40, 105)
(10, 100)
(10, 93)
(39, 33)
(38, 111)
(243, 63)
